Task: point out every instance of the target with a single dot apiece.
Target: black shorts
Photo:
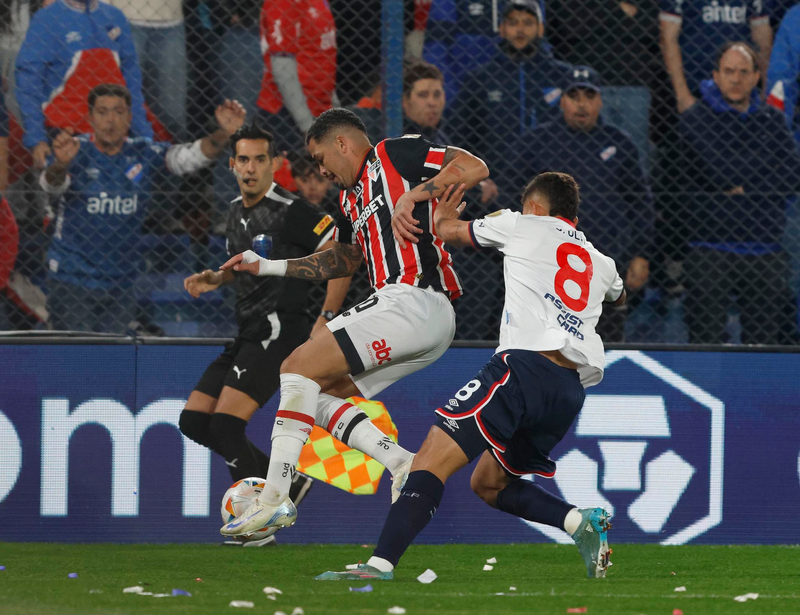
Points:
(253, 367)
(518, 407)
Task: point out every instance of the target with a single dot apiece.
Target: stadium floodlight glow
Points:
(623, 426)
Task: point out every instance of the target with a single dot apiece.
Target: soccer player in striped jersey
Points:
(389, 192)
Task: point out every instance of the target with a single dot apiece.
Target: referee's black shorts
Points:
(253, 366)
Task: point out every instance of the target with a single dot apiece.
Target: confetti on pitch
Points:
(677, 612)
(181, 592)
(429, 576)
(365, 589)
(577, 609)
(136, 589)
(746, 597)
(73, 575)
(491, 560)
(242, 604)
(162, 595)
(95, 591)
(279, 613)
(512, 588)
(680, 589)
(2, 568)
(271, 590)
(488, 567)
(396, 610)
(298, 611)
(199, 580)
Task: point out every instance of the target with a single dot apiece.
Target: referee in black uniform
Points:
(271, 313)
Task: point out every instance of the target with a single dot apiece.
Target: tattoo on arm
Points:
(430, 187)
(340, 261)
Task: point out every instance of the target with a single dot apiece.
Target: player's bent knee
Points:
(195, 425)
(486, 492)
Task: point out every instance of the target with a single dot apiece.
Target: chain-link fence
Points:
(676, 118)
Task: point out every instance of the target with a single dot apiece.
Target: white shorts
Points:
(397, 331)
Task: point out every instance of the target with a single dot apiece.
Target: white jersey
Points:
(556, 282)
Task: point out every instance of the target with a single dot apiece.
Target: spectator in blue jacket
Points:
(737, 166)
(692, 30)
(102, 182)
(783, 78)
(783, 85)
(616, 202)
(513, 92)
(70, 47)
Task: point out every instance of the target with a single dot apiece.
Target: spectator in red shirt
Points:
(298, 41)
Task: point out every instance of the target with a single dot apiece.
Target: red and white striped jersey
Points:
(391, 168)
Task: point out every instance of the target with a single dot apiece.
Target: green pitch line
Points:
(548, 579)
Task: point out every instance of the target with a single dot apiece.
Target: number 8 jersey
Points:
(556, 282)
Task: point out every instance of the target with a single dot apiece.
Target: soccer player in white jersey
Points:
(523, 401)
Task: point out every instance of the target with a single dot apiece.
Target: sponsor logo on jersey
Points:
(114, 33)
(134, 172)
(116, 205)
(382, 351)
(73, 37)
(716, 13)
(566, 319)
(608, 153)
(323, 224)
(373, 206)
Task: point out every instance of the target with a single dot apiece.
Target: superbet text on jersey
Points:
(390, 169)
(556, 282)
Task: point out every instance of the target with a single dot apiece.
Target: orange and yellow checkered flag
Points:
(327, 459)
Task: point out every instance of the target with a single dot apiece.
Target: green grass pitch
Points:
(548, 579)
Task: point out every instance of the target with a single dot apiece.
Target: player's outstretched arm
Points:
(340, 261)
(446, 224)
(206, 281)
(459, 167)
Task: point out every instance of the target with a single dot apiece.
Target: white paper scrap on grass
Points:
(488, 567)
(298, 611)
(746, 597)
(680, 589)
(491, 560)
(429, 576)
(272, 590)
(242, 604)
(136, 589)
(512, 588)
(396, 610)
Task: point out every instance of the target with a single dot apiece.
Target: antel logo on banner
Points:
(616, 431)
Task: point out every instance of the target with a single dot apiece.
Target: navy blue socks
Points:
(528, 500)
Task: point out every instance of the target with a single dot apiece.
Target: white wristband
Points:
(265, 266)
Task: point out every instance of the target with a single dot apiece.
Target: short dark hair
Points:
(304, 165)
(726, 47)
(332, 119)
(253, 131)
(418, 70)
(561, 191)
(109, 89)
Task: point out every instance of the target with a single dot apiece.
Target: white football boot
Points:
(260, 516)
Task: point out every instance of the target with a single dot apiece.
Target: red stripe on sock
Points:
(337, 415)
(295, 416)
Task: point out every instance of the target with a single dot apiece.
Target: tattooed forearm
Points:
(340, 261)
(430, 187)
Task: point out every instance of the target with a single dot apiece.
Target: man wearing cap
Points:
(616, 202)
(513, 92)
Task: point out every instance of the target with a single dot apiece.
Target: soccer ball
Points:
(238, 498)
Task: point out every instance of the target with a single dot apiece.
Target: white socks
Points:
(352, 426)
(572, 521)
(380, 563)
(293, 424)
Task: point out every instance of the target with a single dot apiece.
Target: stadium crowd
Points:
(677, 118)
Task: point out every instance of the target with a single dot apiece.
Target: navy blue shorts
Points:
(518, 407)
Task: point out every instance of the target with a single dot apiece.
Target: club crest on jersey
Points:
(373, 170)
(134, 172)
(608, 153)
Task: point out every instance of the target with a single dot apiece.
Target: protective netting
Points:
(675, 116)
